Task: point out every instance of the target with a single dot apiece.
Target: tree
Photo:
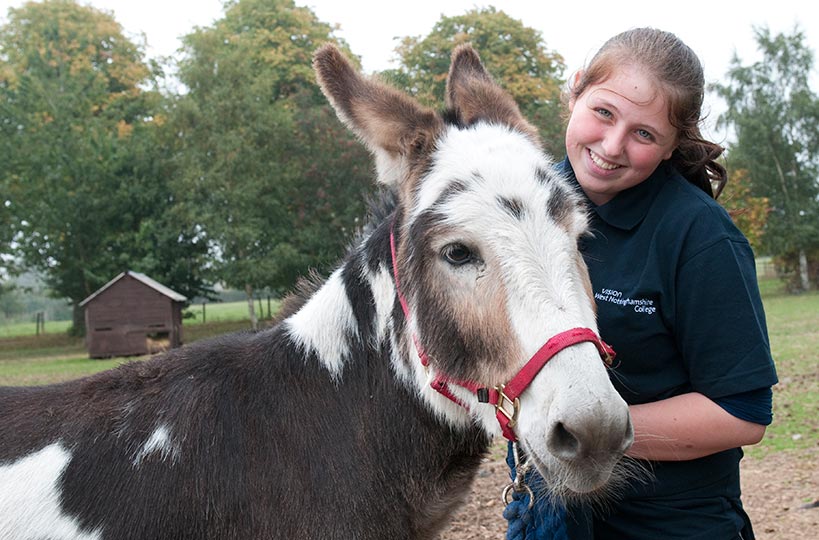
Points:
(7, 262)
(263, 173)
(775, 115)
(749, 213)
(515, 55)
(83, 178)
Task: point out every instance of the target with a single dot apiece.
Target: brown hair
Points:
(679, 74)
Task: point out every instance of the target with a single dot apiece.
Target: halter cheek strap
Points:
(505, 398)
(440, 383)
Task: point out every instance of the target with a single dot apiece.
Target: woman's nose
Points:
(613, 143)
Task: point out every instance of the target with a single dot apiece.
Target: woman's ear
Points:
(575, 80)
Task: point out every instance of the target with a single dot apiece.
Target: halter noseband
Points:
(505, 397)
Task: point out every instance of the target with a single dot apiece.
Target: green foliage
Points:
(515, 55)
(267, 171)
(774, 114)
(789, 269)
(26, 298)
(84, 178)
(10, 302)
(749, 213)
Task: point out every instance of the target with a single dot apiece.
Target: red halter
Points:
(504, 396)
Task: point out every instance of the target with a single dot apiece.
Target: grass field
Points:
(194, 314)
(793, 326)
(28, 359)
(793, 323)
(227, 311)
(17, 329)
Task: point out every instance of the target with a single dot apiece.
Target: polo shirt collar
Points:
(628, 208)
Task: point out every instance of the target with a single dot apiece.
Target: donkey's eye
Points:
(457, 254)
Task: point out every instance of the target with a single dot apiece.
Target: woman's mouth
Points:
(602, 163)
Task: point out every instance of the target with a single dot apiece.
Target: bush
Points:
(787, 268)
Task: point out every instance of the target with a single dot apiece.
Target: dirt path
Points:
(780, 493)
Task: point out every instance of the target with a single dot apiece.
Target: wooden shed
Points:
(132, 315)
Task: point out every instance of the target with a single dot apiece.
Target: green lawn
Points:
(48, 369)
(28, 359)
(194, 314)
(227, 311)
(30, 328)
(793, 326)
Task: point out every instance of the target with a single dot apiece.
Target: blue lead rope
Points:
(546, 520)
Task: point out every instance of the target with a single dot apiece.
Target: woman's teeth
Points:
(602, 163)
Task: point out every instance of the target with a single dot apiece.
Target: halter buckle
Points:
(510, 408)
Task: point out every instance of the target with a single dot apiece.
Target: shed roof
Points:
(173, 295)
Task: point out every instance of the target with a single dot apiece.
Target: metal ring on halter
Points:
(523, 489)
(519, 483)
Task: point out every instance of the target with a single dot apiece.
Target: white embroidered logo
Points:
(641, 305)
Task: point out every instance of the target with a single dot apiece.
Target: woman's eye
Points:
(643, 134)
(604, 113)
(457, 254)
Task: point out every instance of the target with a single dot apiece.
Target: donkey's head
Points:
(487, 266)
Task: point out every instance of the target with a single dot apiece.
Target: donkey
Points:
(365, 412)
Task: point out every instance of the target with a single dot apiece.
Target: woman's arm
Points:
(687, 427)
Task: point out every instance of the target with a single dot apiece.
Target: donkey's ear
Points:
(473, 95)
(395, 128)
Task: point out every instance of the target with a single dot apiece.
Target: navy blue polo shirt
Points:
(676, 292)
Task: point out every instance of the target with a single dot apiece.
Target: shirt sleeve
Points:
(721, 329)
(755, 406)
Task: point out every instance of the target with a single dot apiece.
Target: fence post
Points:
(204, 317)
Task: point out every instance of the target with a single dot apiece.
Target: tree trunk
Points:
(77, 320)
(254, 323)
(803, 270)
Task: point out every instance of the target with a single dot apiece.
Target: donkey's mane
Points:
(380, 207)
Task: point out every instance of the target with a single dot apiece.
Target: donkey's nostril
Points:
(562, 443)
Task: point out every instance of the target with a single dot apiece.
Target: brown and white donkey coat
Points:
(325, 425)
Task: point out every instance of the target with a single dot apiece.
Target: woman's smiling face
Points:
(618, 133)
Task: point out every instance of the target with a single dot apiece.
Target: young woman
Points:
(677, 298)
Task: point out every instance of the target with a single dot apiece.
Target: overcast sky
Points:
(715, 29)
